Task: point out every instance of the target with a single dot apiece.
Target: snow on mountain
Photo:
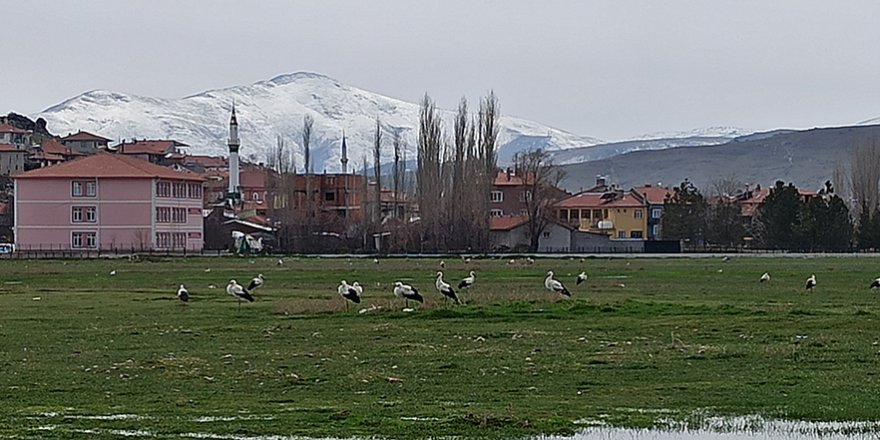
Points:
(872, 121)
(275, 107)
(707, 132)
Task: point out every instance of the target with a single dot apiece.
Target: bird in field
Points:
(726, 258)
(256, 283)
(445, 289)
(348, 292)
(358, 288)
(530, 260)
(554, 285)
(764, 278)
(239, 292)
(581, 278)
(113, 273)
(511, 262)
(407, 292)
(375, 261)
(875, 284)
(468, 281)
(280, 262)
(182, 294)
(811, 282)
(442, 264)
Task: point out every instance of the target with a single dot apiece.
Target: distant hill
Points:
(807, 158)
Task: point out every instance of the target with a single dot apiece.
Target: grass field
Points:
(84, 352)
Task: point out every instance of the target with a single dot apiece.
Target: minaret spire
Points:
(344, 158)
(234, 143)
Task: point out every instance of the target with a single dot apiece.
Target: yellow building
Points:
(619, 214)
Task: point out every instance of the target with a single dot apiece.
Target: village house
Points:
(20, 139)
(509, 192)
(510, 234)
(12, 159)
(108, 202)
(159, 152)
(622, 215)
(51, 152)
(655, 197)
(84, 142)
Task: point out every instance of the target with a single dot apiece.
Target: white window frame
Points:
(91, 214)
(76, 215)
(621, 233)
(638, 214)
(656, 213)
(91, 188)
(496, 213)
(76, 189)
(496, 196)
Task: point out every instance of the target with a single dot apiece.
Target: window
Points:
(656, 213)
(635, 234)
(77, 215)
(163, 189)
(655, 230)
(178, 215)
(576, 214)
(178, 240)
(638, 214)
(329, 196)
(91, 189)
(91, 214)
(597, 214)
(496, 197)
(194, 190)
(81, 240)
(563, 214)
(525, 196)
(163, 240)
(496, 212)
(621, 234)
(163, 215)
(256, 197)
(77, 189)
(545, 234)
(524, 212)
(178, 190)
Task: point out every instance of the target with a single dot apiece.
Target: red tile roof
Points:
(84, 136)
(42, 155)
(154, 147)
(655, 195)
(594, 199)
(207, 161)
(252, 177)
(6, 128)
(506, 223)
(10, 149)
(51, 146)
(504, 179)
(108, 166)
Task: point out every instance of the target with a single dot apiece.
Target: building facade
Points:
(108, 202)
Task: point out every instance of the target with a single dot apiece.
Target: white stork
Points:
(445, 289)
(811, 282)
(407, 292)
(113, 273)
(468, 281)
(280, 262)
(358, 288)
(256, 283)
(349, 293)
(182, 294)
(875, 284)
(240, 293)
(764, 278)
(554, 285)
(581, 278)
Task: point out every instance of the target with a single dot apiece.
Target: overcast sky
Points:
(608, 69)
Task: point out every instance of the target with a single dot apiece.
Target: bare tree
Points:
(377, 174)
(726, 186)
(396, 172)
(865, 175)
(541, 188)
(487, 137)
(428, 172)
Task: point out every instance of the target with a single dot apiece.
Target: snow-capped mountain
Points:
(872, 121)
(707, 132)
(272, 108)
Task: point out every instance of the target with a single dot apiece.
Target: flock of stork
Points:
(353, 292)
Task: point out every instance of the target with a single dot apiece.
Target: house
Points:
(12, 159)
(160, 152)
(51, 152)
(509, 192)
(655, 197)
(84, 142)
(108, 201)
(617, 213)
(201, 164)
(510, 234)
(20, 139)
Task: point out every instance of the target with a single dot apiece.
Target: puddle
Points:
(729, 428)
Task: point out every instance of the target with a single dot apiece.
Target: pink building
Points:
(108, 201)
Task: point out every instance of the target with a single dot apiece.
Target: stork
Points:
(182, 294)
(554, 285)
(445, 289)
(581, 278)
(349, 293)
(468, 281)
(407, 292)
(256, 283)
(811, 282)
(235, 289)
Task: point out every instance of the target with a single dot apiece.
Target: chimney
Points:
(600, 180)
(509, 173)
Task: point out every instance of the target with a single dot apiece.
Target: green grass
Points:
(642, 338)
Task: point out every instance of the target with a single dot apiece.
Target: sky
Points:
(607, 69)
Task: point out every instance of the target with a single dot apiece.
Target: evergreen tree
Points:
(868, 235)
(684, 215)
(780, 218)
